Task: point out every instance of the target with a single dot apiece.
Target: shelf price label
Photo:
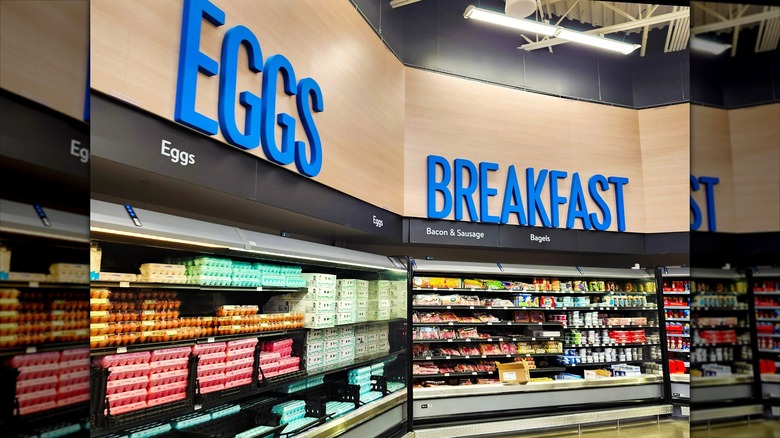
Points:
(210, 340)
(449, 323)
(30, 350)
(124, 284)
(34, 284)
(449, 340)
(121, 350)
(473, 373)
(465, 357)
(468, 339)
(197, 407)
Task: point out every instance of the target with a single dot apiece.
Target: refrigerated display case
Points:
(201, 329)
(44, 350)
(724, 368)
(589, 336)
(677, 322)
(765, 285)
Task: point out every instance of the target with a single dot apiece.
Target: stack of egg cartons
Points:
(211, 366)
(36, 384)
(162, 273)
(209, 271)
(244, 274)
(361, 301)
(378, 339)
(239, 362)
(293, 414)
(347, 345)
(314, 351)
(68, 273)
(5, 262)
(272, 275)
(276, 358)
(168, 373)
(331, 340)
(292, 276)
(361, 341)
(319, 301)
(398, 292)
(346, 300)
(128, 380)
(362, 378)
(9, 317)
(379, 300)
(73, 384)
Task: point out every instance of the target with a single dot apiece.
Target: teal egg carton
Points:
(217, 271)
(360, 371)
(295, 387)
(370, 396)
(298, 424)
(149, 430)
(364, 387)
(209, 280)
(294, 281)
(246, 282)
(58, 430)
(189, 420)
(223, 411)
(245, 273)
(267, 269)
(288, 407)
(336, 408)
(273, 280)
(255, 432)
(290, 270)
(292, 416)
(395, 386)
(315, 381)
(212, 261)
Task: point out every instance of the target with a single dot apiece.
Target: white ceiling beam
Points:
(741, 21)
(618, 10)
(398, 3)
(567, 12)
(709, 10)
(649, 21)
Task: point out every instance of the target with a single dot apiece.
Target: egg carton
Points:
(116, 276)
(209, 280)
(162, 278)
(267, 268)
(217, 271)
(211, 261)
(189, 420)
(38, 384)
(72, 399)
(294, 281)
(299, 424)
(274, 280)
(149, 430)
(370, 396)
(246, 281)
(68, 278)
(256, 432)
(149, 269)
(223, 411)
(58, 430)
(26, 276)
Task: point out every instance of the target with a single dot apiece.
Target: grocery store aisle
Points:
(741, 429)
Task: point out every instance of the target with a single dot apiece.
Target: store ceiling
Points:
(724, 20)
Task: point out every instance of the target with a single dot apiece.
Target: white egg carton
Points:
(160, 278)
(148, 269)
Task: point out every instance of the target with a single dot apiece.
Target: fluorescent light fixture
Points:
(594, 41)
(316, 260)
(29, 232)
(515, 23)
(151, 237)
(549, 30)
(707, 46)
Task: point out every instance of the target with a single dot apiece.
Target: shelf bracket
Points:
(579, 270)
(500, 268)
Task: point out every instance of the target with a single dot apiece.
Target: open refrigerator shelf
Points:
(192, 286)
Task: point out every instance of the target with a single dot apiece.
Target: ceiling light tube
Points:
(714, 47)
(600, 42)
(317, 259)
(502, 20)
(152, 237)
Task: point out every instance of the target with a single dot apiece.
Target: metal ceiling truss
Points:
(768, 21)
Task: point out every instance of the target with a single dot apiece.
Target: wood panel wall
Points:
(135, 49)
(44, 52)
(458, 118)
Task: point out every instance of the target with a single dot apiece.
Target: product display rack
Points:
(677, 323)
(34, 249)
(765, 286)
(433, 402)
(328, 384)
(724, 365)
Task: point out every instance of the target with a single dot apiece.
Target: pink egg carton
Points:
(130, 407)
(168, 377)
(212, 383)
(128, 371)
(277, 345)
(266, 358)
(76, 388)
(36, 397)
(238, 374)
(240, 354)
(75, 353)
(39, 384)
(285, 352)
(38, 407)
(239, 382)
(115, 360)
(210, 358)
(171, 353)
(270, 368)
(166, 390)
(213, 347)
(240, 364)
(25, 360)
(290, 369)
(75, 398)
(74, 365)
(126, 385)
(74, 376)
(167, 399)
(241, 344)
(38, 371)
(210, 370)
(168, 365)
(126, 398)
(288, 362)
